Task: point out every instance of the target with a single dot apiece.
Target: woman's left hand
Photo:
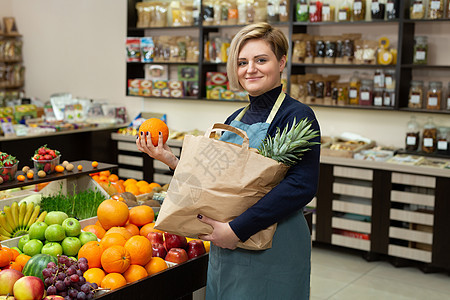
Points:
(222, 236)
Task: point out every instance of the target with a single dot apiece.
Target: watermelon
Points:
(37, 264)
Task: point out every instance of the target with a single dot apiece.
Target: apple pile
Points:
(12, 282)
(57, 235)
(175, 248)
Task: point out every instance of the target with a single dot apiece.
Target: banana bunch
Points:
(17, 219)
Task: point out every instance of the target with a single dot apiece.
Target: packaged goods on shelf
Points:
(166, 13)
(347, 145)
(374, 154)
(11, 50)
(353, 234)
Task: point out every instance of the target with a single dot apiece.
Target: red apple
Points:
(155, 237)
(159, 250)
(177, 255)
(7, 279)
(195, 248)
(174, 241)
(28, 287)
(53, 297)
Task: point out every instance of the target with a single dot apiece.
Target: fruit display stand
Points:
(177, 282)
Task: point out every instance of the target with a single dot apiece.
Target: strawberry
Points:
(41, 157)
(41, 151)
(47, 167)
(48, 157)
(52, 153)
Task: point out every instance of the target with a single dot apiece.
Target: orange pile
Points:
(12, 259)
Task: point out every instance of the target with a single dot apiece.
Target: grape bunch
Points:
(66, 279)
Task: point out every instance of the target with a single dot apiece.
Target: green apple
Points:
(22, 241)
(71, 245)
(87, 236)
(37, 231)
(55, 233)
(33, 247)
(72, 227)
(55, 217)
(52, 248)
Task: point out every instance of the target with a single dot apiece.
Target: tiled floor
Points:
(337, 273)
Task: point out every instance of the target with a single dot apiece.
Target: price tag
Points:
(353, 93)
(326, 10)
(442, 145)
(411, 140)
(428, 142)
(432, 101)
(365, 96)
(417, 8)
(375, 6)
(312, 9)
(387, 101)
(415, 99)
(420, 55)
(388, 80)
(435, 4)
(378, 101)
(390, 7)
(303, 8)
(283, 10)
(342, 16)
(357, 6)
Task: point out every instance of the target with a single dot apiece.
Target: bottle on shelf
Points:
(328, 11)
(447, 107)
(344, 12)
(353, 92)
(420, 50)
(378, 8)
(434, 95)
(415, 94)
(359, 10)
(315, 11)
(436, 9)
(302, 11)
(412, 135)
(392, 9)
(366, 92)
(429, 137)
(417, 9)
(443, 139)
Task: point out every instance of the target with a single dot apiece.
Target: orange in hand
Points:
(154, 126)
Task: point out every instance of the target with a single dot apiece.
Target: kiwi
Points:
(151, 203)
(157, 189)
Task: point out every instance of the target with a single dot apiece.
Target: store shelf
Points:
(344, 66)
(377, 22)
(431, 67)
(410, 253)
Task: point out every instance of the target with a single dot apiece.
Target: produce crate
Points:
(14, 195)
(339, 148)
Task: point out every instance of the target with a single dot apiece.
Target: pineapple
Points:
(288, 146)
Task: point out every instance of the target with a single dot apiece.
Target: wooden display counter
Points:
(93, 143)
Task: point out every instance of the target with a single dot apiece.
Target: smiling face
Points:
(258, 69)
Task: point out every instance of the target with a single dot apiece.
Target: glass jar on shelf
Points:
(416, 92)
(359, 10)
(378, 96)
(443, 139)
(434, 95)
(448, 10)
(344, 12)
(392, 9)
(447, 106)
(378, 8)
(328, 11)
(389, 97)
(412, 135)
(302, 11)
(354, 87)
(435, 9)
(315, 11)
(417, 9)
(366, 92)
(429, 137)
(389, 79)
(379, 78)
(420, 54)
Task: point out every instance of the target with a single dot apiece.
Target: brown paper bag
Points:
(219, 180)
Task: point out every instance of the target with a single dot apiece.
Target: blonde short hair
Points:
(263, 31)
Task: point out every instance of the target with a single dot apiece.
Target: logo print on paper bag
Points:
(185, 189)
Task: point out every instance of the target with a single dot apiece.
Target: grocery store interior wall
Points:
(77, 46)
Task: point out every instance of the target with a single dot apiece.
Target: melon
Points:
(37, 264)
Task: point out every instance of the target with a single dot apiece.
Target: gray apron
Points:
(281, 272)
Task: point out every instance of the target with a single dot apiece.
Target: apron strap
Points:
(273, 112)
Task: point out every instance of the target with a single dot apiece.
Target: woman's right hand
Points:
(162, 152)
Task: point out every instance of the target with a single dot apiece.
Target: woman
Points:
(257, 58)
